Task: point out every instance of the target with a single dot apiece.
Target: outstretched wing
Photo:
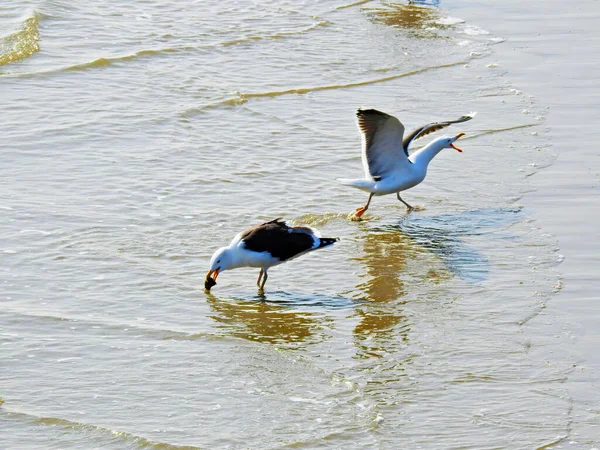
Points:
(382, 150)
(432, 127)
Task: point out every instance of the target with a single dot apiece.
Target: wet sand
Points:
(554, 54)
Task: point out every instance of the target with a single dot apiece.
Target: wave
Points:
(103, 62)
(25, 42)
(502, 130)
(350, 5)
(279, 35)
(109, 433)
(242, 98)
(100, 62)
(150, 330)
(22, 43)
(30, 36)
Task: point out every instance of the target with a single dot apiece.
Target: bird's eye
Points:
(218, 261)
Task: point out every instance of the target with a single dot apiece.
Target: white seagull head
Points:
(221, 260)
(448, 142)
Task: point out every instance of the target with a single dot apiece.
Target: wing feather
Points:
(382, 150)
(431, 128)
(280, 240)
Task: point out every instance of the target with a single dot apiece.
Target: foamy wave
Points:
(449, 21)
(473, 30)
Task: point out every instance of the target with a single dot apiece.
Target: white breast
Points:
(398, 182)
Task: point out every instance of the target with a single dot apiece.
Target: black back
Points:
(280, 240)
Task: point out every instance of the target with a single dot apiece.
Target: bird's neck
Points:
(234, 258)
(423, 157)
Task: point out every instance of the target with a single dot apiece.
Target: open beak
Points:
(211, 278)
(454, 147)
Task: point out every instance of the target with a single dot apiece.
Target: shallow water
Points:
(137, 141)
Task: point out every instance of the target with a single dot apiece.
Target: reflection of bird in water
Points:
(262, 321)
(264, 246)
(388, 250)
(389, 168)
(393, 256)
(384, 256)
(387, 253)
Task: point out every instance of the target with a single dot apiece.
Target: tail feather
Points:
(360, 183)
(326, 242)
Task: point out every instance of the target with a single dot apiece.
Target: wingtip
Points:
(361, 111)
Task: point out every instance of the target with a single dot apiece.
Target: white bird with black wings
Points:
(389, 168)
(264, 246)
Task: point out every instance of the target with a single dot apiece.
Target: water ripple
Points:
(121, 437)
(279, 35)
(242, 98)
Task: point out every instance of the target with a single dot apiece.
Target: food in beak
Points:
(209, 282)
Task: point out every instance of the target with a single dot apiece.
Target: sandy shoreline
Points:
(552, 53)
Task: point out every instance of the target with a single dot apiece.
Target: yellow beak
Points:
(211, 278)
(455, 138)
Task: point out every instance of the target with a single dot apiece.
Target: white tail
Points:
(359, 183)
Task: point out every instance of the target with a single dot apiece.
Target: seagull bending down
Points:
(264, 246)
(389, 168)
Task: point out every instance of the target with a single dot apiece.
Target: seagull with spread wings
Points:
(389, 167)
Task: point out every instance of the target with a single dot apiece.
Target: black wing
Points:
(431, 128)
(280, 240)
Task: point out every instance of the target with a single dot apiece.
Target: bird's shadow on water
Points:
(444, 235)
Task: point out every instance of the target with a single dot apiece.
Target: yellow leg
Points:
(265, 276)
(360, 211)
(260, 275)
